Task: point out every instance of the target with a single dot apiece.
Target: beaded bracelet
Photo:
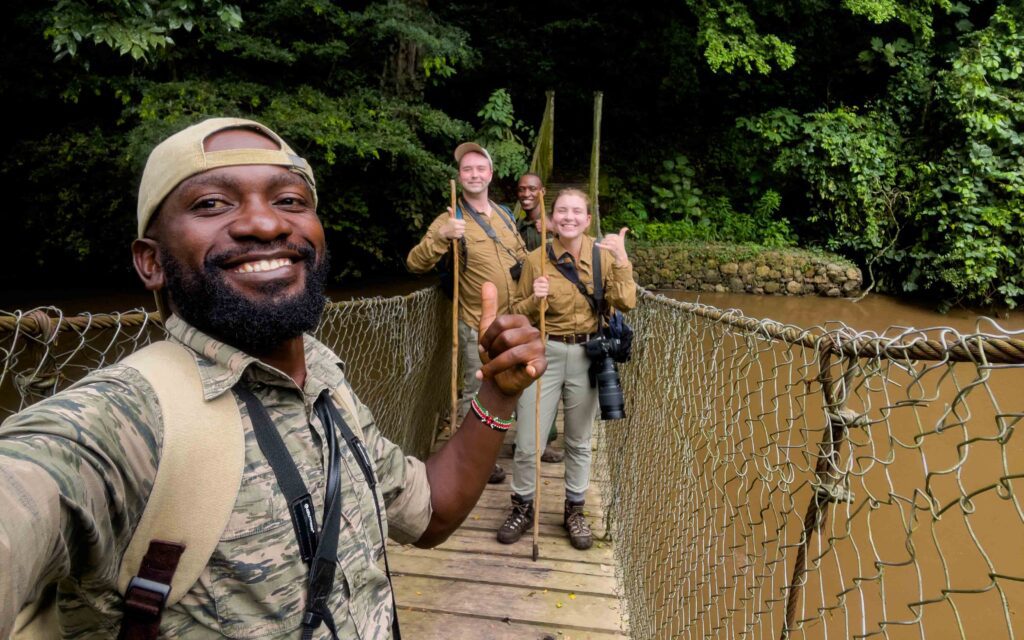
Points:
(485, 416)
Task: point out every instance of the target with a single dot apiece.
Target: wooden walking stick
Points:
(455, 322)
(536, 416)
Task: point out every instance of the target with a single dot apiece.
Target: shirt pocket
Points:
(256, 577)
(479, 250)
(255, 509)
(359, 511)
(360, 554)
(561, 292)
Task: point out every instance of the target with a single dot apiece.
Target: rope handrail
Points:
(908, 345)
(982, 348)
(38, 322)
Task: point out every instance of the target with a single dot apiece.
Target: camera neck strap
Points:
(319, 551)
(598, 283)
(489, 230)
(568, 269)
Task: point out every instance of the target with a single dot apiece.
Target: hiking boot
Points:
(497, 475)
(517, 522)
(576, 524)
(551, 454)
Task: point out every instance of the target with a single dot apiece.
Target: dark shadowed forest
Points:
(887, 131)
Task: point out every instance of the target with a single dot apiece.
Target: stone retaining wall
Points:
(744, 268)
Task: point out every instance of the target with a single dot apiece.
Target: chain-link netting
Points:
(774, 482)
(396, 351)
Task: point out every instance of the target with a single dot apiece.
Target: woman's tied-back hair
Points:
(571, 191)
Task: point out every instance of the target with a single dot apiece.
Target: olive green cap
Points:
(182, 156)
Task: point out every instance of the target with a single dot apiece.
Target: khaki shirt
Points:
(568, 311)
(486, 261)
(76, 471)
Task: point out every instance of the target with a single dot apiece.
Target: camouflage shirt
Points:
(76, 471)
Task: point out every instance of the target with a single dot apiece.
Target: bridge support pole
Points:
(595, 166)
(829, 482)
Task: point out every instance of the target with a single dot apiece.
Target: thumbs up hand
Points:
(510, 347)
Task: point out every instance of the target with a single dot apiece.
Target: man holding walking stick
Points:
(491, 250)
(530, 193)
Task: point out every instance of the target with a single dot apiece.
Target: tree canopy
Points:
(887, 130)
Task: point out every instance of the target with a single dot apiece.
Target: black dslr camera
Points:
(604, 352)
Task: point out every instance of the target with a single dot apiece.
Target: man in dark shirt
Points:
(530, 195)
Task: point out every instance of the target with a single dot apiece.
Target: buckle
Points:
(152, 586)
(311, 620)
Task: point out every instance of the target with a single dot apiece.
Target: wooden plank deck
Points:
(472, 586)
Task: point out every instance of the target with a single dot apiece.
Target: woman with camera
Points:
(572, 320)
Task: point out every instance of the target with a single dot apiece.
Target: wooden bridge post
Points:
(827, 484)
(595, 163)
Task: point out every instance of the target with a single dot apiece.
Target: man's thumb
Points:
(488, 305)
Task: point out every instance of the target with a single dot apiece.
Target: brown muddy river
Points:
(874, 313)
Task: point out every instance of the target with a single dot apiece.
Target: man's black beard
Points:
(205, 300)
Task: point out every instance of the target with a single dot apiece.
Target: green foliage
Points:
(732, 42)
(382, 159)
(441, 49)
(927, 181)
(676, 209)
(851, 163)
(503, 135)
(889, 130)
(133, 28)
(972, 205)
(916, 14)
(66, 218)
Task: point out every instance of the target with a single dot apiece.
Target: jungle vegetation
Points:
(889, 131)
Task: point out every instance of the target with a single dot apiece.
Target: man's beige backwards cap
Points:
(182, 156)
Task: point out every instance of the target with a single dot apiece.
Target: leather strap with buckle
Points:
(147, 592)
(572, 338)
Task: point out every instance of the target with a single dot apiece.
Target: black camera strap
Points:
(568, 269)
(489, 230)
(599, 305)
(363, 460)
(319, 552)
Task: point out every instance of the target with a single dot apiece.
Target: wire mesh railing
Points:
(770, 481)
(394, 349)
(778, 482)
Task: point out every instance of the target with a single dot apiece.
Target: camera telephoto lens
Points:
(609, 392)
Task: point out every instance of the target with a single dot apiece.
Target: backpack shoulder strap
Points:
(200, 468)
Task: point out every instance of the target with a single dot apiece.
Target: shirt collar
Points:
(562, 254)
(221, 366)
